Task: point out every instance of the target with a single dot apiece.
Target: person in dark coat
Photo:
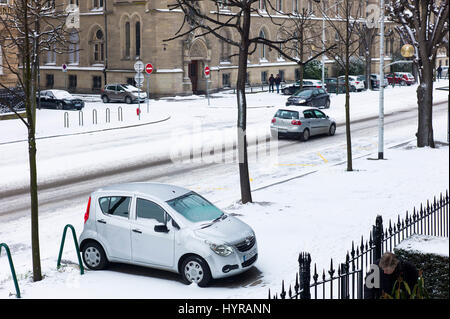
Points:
(439, 72)
(391, 269)
(271, 83)
(277, 82)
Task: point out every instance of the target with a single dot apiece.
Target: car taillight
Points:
(274, 120)
(86, 215)
(319, 86)
(357, 82)
(295, 122)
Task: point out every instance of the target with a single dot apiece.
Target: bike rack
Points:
(94, 116)
(80, 118)
(11, 266)
(108, 115)
(120, 114)
(66, 119)
(80, 263)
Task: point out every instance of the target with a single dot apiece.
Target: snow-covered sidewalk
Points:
(321, 213)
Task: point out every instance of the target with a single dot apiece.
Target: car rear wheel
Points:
(332, 130)
(128, 100)
(94, 256)
(402, 83)
(304, 136)
(195, 270)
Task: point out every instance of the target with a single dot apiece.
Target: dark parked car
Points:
(60, 100)
(375, 81)
(310, 97)
(307, 84)
(332, 85)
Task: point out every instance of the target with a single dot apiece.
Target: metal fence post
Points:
(378, 237)
(304, 262)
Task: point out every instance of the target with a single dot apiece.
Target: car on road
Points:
(60, 100)
(301, 123)
(332, 85)
(375, 81)
(122, 93)
(165, 227)
(355, 83)
(401, 78)
(310, 97)
(307, 84)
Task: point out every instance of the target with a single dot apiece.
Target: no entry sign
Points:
(207, 70)
(149, 68)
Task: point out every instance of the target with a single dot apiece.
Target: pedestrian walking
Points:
(271, 83)
(277, 82)
(439, 72)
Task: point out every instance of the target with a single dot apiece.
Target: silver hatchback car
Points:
(301, 123)
(165, 227)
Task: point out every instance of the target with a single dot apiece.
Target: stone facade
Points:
(113, 34)
(7, 56)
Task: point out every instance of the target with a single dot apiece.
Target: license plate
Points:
(249, 255)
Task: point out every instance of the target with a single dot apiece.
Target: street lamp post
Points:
(381, 99)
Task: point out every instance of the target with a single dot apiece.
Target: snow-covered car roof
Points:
(164, 192)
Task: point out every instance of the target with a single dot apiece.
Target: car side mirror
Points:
(161, 229)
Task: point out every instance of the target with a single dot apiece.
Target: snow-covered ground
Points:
(321, 213)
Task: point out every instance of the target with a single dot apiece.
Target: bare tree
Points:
(23, 39)
(302, 28)
(423, 24)
(239, 20)
(343, 26)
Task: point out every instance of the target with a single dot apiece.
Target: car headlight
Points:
(221, 250)
(301, 101)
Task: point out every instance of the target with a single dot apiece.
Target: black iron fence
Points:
(347, 280)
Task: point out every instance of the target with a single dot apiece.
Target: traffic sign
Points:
(207, 71)
(64, 67)
(139, 79)
(139, 66)
(148, 68)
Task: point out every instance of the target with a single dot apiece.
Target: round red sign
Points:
(207, 70)
(148, 68)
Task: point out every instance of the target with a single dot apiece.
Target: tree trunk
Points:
(347, 97)
(425, 105)
(368, 69)
(246, 195)
(30, 106)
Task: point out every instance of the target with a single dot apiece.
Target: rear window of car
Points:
(286, 114)
(115, 205)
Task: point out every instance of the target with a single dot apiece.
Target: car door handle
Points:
(137, 231)
(101, 221)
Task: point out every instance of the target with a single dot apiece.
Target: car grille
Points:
(246, 244)
(250, 261)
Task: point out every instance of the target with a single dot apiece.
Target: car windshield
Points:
(303, 93)
(195, 208)
(62, 95)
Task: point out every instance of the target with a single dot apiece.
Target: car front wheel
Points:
(195, 270)
(59, 106)
(128, 100)
(327, 104)
(105, 99)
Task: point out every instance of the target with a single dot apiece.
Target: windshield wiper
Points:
(222, 217)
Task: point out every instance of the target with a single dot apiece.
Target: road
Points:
(216, 179)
